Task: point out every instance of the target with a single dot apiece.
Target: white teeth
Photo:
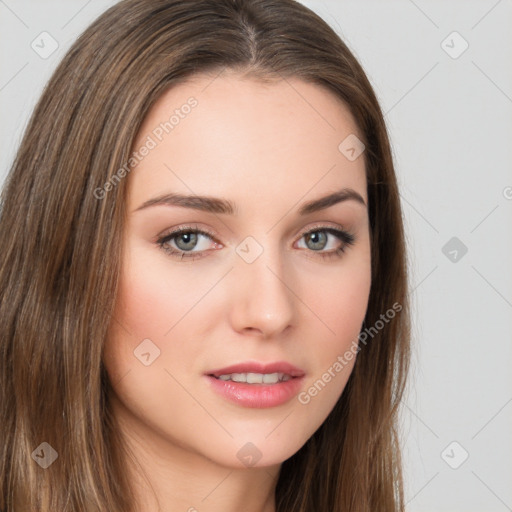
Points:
(256, 378)
(271, 378)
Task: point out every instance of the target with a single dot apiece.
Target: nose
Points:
(263, 301)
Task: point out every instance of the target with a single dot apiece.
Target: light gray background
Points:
(450, 121)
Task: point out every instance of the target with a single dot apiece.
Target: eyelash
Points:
(347, 238)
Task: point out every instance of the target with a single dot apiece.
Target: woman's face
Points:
(231, 341)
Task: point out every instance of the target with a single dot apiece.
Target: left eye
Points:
(320, 237)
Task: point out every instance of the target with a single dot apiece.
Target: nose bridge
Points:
(262, 298)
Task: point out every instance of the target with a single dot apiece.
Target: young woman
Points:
(203, 283)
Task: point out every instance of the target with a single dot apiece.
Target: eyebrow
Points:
(224, 206)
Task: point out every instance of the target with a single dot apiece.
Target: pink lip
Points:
(257, 395)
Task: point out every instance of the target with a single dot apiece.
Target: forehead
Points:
(228, 135)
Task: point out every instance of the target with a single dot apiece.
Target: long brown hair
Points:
(62, 246)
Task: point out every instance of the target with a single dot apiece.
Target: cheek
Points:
(147, 341)
(154, 296)
(340, 304)
(146, 310)
(340, 300)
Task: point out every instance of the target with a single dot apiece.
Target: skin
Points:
(268, 148)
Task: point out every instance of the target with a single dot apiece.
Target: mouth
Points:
(256, 384)
(254, 378)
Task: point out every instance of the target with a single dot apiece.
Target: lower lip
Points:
(256, 395)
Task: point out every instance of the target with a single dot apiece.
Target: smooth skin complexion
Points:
(268, 149)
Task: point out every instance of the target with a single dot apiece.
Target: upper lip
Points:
(257, 367)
